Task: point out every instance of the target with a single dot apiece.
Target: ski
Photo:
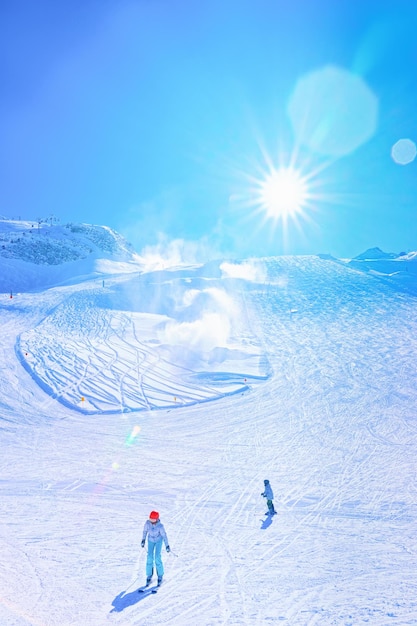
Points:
(148, 589)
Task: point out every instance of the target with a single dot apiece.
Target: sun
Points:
(282, 194)
(282, 197)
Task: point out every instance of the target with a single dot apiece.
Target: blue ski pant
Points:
(154, 554)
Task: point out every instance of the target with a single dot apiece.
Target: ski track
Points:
(333, 429)
(103, 344)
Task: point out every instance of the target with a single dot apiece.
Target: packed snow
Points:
(126, 389)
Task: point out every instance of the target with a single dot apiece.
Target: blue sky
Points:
(162, 119)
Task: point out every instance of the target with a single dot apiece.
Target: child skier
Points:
(269, 495)
(155, 531)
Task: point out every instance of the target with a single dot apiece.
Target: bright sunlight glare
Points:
(283, 194)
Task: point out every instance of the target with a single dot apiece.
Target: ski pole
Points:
(173, 553)
(131, 584)
(138, 560)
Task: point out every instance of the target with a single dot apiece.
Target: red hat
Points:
(154, 516)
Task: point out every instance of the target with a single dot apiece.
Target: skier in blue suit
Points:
(269, 495)
(155, 531)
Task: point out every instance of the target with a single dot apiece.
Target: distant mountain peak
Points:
(375, 253)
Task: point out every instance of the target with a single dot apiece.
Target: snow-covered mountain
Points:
(40, 254)
(400, 270)
(44, 243)
(375, 253)
(125, 390)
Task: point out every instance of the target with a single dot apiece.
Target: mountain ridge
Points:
(41, 254)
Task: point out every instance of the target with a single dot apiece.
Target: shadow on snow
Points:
(267, 522)
(122, 601)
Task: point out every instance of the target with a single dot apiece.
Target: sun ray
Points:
(280, 195)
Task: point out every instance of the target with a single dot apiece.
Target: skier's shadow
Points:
(123, 600)
(267, 522)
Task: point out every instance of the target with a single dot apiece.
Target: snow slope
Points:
(35, 255)
(109, 350)
(327, 412)
(399, 270)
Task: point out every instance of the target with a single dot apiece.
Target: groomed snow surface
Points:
(181, 391)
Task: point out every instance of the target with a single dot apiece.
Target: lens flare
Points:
(131, 438)
(404, 151)
(333, 111)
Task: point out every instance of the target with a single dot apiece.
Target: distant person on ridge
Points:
(269, 495)
(155, 531)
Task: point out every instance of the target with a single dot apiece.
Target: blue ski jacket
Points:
(268, 493)
(155, 532)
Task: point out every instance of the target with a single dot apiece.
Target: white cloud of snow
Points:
(168, 253)
(214, 313)
(253, 270)
(212, 330)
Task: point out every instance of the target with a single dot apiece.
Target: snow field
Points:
(331, 423)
